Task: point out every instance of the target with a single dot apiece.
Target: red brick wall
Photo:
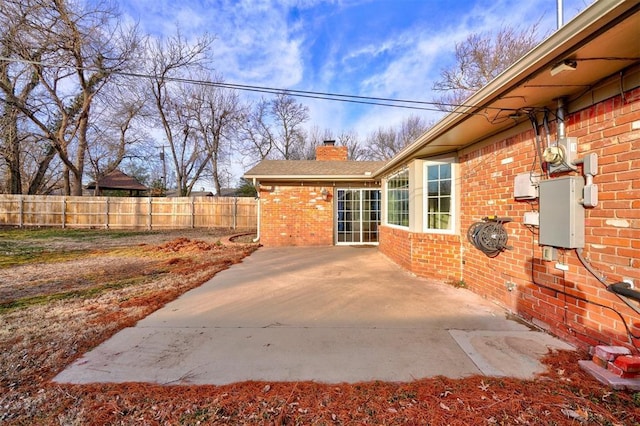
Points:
(331, 153)
(295, 216)
(427, 255)
(396, 244)
(571, 304)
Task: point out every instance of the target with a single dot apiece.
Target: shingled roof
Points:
(118, 180)
(311, 169)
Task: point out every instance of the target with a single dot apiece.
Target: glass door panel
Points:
(358, 216)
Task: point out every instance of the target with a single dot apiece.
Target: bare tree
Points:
(289, 115)
(274, 129)
(479, 59)
(383, 143)
(175, 58)
(258, 136)
(17, 80)
(355, 148)
(73, 50)
(315, 138)
(117, 129)
(218, 114)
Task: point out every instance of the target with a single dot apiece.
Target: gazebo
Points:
(117, 181)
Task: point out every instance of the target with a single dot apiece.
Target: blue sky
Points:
(382, 48)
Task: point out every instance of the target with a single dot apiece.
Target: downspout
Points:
(255, 185)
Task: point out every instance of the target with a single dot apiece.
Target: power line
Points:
(337, 97)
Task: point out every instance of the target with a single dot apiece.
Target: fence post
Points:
(235, 212)
(150, 225)
(193, 212)
(64, 212)
(106, 214)
(21, 211)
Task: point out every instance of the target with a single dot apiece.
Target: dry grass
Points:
(55, 308)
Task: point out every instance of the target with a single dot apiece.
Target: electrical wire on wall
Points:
(630, 336)
(609, 287)
(554, 158)
(538, 143)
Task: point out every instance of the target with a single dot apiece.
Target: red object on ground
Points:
(599, 361)
(628, 364)
(620, 372)
(610, 353)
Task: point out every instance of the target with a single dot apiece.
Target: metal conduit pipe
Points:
(560, 113)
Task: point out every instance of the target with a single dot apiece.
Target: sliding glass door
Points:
(358, 216)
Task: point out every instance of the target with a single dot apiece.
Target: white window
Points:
(398, 199)
(439, 197)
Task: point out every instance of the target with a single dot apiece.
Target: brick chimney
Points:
(328, 151)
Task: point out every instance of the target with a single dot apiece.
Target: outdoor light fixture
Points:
(325, 194)
(566, 65)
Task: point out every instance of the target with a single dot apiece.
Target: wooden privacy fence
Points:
(128, 212)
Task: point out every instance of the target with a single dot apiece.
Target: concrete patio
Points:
(328, 314)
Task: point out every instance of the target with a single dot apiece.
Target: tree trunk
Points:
(37, 184)
(13, 151)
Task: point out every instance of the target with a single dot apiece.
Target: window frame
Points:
(453, 217)
(402, 202)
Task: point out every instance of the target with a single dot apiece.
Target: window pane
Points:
(432, 172)
(445, 187)
(443, 221)
(433, 189)
(398, 199)
(438, 197)
(445, 204)
(445, 171)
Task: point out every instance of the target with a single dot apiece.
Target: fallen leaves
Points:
(186, 245)
(579, 414)
(38, 341)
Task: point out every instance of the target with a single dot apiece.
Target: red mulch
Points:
(565, 395)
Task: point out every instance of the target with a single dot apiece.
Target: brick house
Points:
(553, 144)
(298, 199)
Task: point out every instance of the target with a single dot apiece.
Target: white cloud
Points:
(325, 46)
(414, 57)
(254, 42)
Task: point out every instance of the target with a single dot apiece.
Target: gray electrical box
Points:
(561, 212)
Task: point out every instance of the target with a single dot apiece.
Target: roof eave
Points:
(580, 28)
(323, 178)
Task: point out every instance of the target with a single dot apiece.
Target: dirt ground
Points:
(63, 292)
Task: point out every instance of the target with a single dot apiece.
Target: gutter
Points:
(318, 178)
(551, 50)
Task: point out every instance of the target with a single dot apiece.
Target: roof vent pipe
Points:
(560, 18)
(562, 133)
